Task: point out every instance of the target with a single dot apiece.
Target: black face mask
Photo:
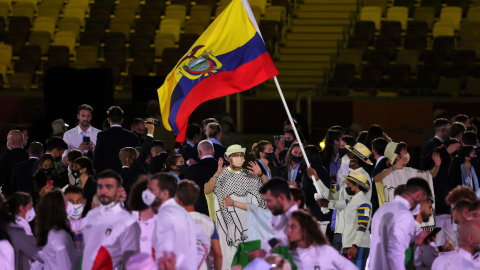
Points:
(350, 191)
(296, 159)
(182, 169)
(76, 173)
(58, 159)
(270, 157)
(342, 152)
(288, 143)
(47, 171)
(475, 161)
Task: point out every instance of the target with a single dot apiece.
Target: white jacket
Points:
(357, 222)
(111, 237)
(393, 229)
(24, 244)
(61, 252)
(176, 231)
(460, 259)
(320, 257)
(7, 255)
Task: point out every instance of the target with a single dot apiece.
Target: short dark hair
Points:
(137, 121)
(73, 189)
(474, 206)
(207, 121)
(379, 145)
(338, 128)
(287, 122)
(135, 201)
(399, 190)
(85, 107)
(349, 140)
(416, 184)
(20, 128)
(56, 143)
(469, 138)
(276, 186)
(158, 143)
(192, 130)
(462, 204)
(108, 173)
(115, 114)
(456, 129)
(73, 155)
(298, 195)
(460, 193)
(440, 122)
(85, 162)
(166, 181)
(187, 192)
(462, 118)
(35, 149)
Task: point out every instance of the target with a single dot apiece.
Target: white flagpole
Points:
(246, 5)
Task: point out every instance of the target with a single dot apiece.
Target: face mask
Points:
(288, 143)
(8, 147)
(48, 171)
(58, 159)
(148, 197)
(30, 215)
(182, 169)
(350, 191)
(416, 211)
(76, 174)
(475, 161)
(296, 159)
(77, 211)
(238, 161)
(270, 157)
(70, 209)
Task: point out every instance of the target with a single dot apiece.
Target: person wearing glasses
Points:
(242, 185)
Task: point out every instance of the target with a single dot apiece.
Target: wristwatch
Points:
(261, 175)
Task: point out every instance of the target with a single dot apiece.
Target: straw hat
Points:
(361, 151)
(235, 148)
(358, 178)
(59, 126)
(390, 151)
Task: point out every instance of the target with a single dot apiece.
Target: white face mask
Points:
(70, 209)
(8, 147)
(148, 197)
(30, 215)
(238, 161)
(78, 211)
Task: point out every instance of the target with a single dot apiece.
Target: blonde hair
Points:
(259, 147)
(127, 152)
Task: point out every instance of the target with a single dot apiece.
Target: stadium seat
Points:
(194, 27)
(443, 29)
(387, 44)
(257, 13)
(365, 28)
(408, 57)
(359, 43)
(16, 39)
(6, 52)
(20, 81)
(145, 28)
(469, 30)
(463, 4)
(464, 59)
(116, 56)
(186, 3)
(2, 27)
(186, 42)
(3, 71)
(220, 9)
(373, 14)
(44, 24)
(53, 3)
(476, 3)
(201, 13)
(171, 26)
(351, 56)
(472, 44)
(428, 75)
(59, 55)
(41, 39)
(25, 67)
(345, 72)
(379, 58)
(391, 29)
(473, 14)
(95, 26)
(372, 73)
(138, 40)
(137, 69)
(145, 56)
(410, 4)
(86, 57)
(473, 84)
(444, 43)
(452, 15)
(400, 72)
(275, 13)
(90, 39)
(377, 3)
(152, 12)
(24, 9)
(133, 4)
(74, 12)
(20, 25)
(4, 10)
(121, 26)
(417, 29)
(71, 25)
(115, 40)
(162, 41)
(125, 13)
(176, 12)
(449, 86)
(171, 56)
(399, 14)
(100, 12)
(65, 38)
(31, 53)
(418, 44)
(436, 59)
(426, 14)
(262, 4)
(79, 3)
(49, 11)
(213, 4)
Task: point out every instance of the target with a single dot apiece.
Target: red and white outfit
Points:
(176, 231)
(111, 237)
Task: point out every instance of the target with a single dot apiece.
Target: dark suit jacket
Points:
(7, 160)
(219, 151)
(22, 177)
(109, 144)
(64, 176)
(298, 179)
(130, 174)
(426, 161)
(310, 191)
(188, 152)
(380, 167)
(89, 190)
(200, 173)
(156, 163)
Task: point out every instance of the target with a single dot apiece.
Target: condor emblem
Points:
(192, 67)
(108, 231)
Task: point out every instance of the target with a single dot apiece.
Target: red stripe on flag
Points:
(222, 84)
(103, 260)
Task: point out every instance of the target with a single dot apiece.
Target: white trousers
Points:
(447, 232)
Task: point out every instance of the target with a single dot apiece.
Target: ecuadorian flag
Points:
(229, 57)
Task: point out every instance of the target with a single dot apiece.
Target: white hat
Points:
(235, 148)
(59, 126)
(390, 151)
